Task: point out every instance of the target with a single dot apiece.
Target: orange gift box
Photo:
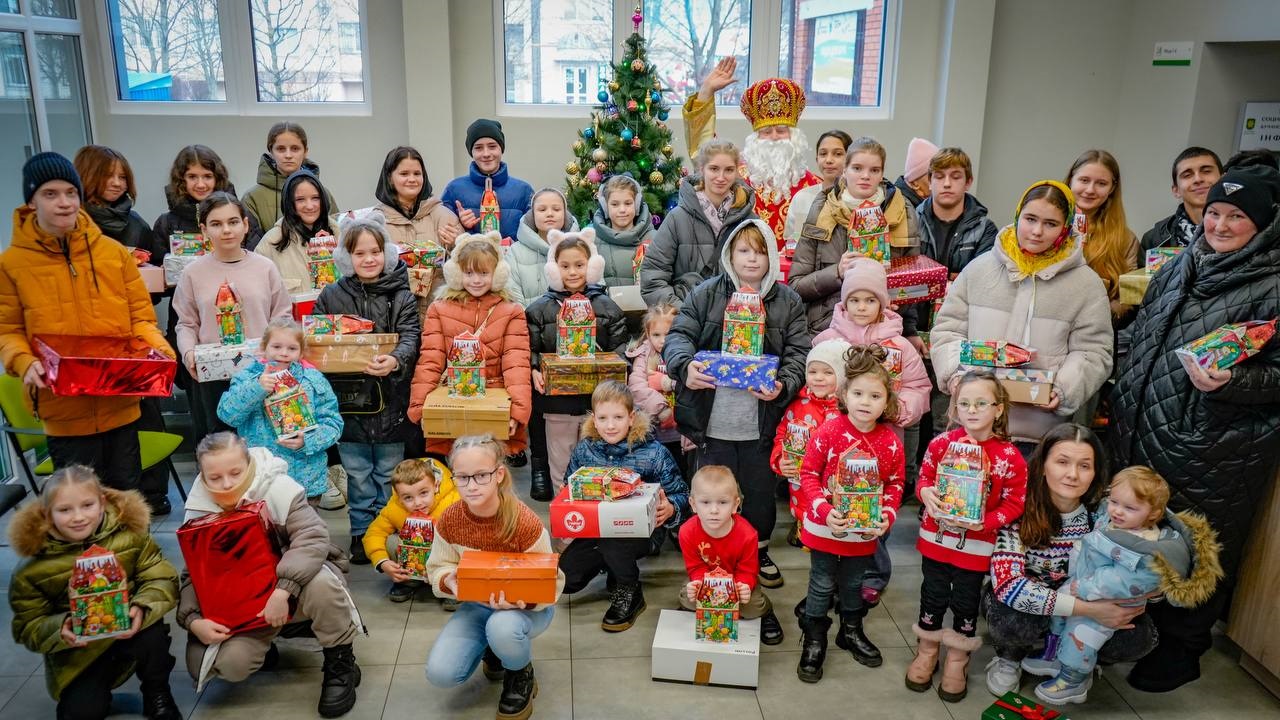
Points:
(528, 577)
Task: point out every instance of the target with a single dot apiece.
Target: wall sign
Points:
(1259, 127)
(1173, 53)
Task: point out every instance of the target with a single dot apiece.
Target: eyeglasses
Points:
(480, 478)
(978, 405)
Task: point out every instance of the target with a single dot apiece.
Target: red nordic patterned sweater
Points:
(821, 460)
(1006, 494)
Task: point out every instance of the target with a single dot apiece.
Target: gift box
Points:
(98, 594)
(740, 371)
(893, 365)
(231, 557)
(962, 483)
(1080, 225)
(230, 314)
(289, 408)
(795, 440)
(416, 536)
(422, 281)
(856, 489)
(743, 332)
(490, 210)
(320, 263)
(580, 376)
(140, 256)
(189, 244)
(716, 613)
(335, 325)
(994, 353)
(222, 362)
(464, 366)
(602, 483)
(1029, 386)
(347, 353)
(678, 656)
(1227, 346)
(152, 277)
(103, 367)
(444, 416)
(576, 328)
(523, 577)
(634, 516)
(174, 265)
(869, 234)
(1012, 706)
(423, 255)
(916, 279)
(303, 303)
(1158, 257)
(637, 260)
(1133, 286)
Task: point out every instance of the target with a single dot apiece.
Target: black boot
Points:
(158, 704)
(770, 629)
(852, 638)
(357, 550)
(516, 460)
(813, 647)
(491, 665)
(341, 678)
(540, 481)
(625, 606)
(1165, 669)
(519, 688)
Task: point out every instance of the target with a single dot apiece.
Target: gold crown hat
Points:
(773, 101)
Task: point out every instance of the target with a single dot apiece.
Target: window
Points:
(543, 39)
(297, 51)
(834, 49)
(54, 8)
(686, 39)
(10, 6)
(14, 59)
(349, 37)
(62, 90)
(167, 50)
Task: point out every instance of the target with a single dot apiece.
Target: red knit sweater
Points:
(735, 553)
(821, 461)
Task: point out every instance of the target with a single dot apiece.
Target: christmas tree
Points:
(628, 134)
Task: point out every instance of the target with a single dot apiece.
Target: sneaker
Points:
(1046, 663)
(332, 499)
(625, 605)
(159, 505)
(403, 592)
(770, 575)
(1064, 688)
(870, 597)
(1003, 676)
(357, 550)
(338, 479)
(449, 604)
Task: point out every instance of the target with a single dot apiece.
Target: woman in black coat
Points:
(1213, 435)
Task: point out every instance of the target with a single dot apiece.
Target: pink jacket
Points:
(644, 381)
(913, 396)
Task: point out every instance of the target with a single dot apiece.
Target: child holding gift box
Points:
(420, 486)
(256, 284)
(574, 266)
(243, 407)
(310, 571)
(957, 556)
(75, 512)
(618, 436)
(653, 388)
(718, 537)
(489, 518)
(734, 427)
(816, 403)
(838, 557)
(823, 253)
(305, 212)
(531, 248)
(477, 300)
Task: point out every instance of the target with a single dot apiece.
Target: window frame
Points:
(29, 26)
(765, 44)
(240, 73)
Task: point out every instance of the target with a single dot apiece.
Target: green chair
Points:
(26, 432)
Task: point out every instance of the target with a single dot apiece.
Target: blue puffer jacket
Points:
(241, 407)
(639, 452)
(514, 196)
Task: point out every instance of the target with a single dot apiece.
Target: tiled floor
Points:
(586, 673)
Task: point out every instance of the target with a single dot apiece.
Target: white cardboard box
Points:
(633, 516)
(678, 657)
(174, 265)
(221, 362)
(628, 298)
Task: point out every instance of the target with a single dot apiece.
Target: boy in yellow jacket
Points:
(419, 487)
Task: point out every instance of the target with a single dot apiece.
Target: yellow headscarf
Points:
(1029, 264)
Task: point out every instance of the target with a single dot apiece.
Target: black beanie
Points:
(1254, 189)
(44, 167)
(483, 128)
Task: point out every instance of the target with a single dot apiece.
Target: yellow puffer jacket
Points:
(393, 514)
(86, 284)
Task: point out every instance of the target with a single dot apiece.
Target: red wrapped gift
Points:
(303, 303)
(103, 366)
(232, 558)
(335, 325)
(916, 279)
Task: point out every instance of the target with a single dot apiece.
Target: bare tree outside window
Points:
(170, 49)
(543, 40)
(297, 51)
(687, 38)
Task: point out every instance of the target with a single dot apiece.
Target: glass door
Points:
(17, 118)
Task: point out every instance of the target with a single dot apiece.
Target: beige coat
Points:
(292, 261)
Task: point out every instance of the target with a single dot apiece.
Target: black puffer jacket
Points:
(700, 326)
(974, 234)
(543, 315)
(393, 309)
(1218, 451)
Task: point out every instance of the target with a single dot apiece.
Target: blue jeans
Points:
(368, 479)
(836, 576)
(474, 626)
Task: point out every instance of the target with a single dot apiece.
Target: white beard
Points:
(775, 166)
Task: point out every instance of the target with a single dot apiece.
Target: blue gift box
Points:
(747, 372)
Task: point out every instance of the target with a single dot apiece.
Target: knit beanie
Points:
(832, 353)
(484, 128)
(919, 153)
(1254, 189)
(45, 167)
(866, 274)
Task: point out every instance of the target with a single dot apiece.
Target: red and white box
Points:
(304, 303)
(916, 279)
(634, 516)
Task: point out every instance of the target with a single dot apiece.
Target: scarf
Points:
(229, 499)
(1029, 264)
(839, 205)
(112, 219)
(715, 213)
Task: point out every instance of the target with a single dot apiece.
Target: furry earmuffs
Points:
(367, 219)
(453, 272)
(595, 263)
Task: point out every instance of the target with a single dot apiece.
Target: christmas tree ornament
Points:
(661, 125)
(578, 146)
(684, 172)
(600, 154)
(626, 135)
(585, 182)
(603, 95)
(672, 202)
(635, 143)
(643, 162)
(600, 168)
(637, 65)
(667, 150)
(655, 178)
(588, 133)
(632, 105)
(657, 219)
(612, 112)
(595, 175)
(571, 168)
(655, 96)
(657, 84)
(637, 18)
(663, 114)
(613, 86)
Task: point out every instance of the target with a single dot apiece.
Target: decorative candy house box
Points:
(962, 484)
(99, 595)
(416, 536)
(795, 440)
(743, 332)
(576, 328)
(289, 408)
(230, 315)
(464, 367)
(320, 263)
(857, 490)
(716, 608)
(869, 234)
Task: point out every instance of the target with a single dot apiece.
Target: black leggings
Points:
(88, 695)
(947, 586)
(1014, 635)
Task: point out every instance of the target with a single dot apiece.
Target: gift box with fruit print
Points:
(602, 483)
(576, 328)
(189, 244)
(857, 490)
(464, 366)
(288, 407)
(320, 263)
(99, 595)
(1227, 346)
(994, 353)
(962, 483)
(335, 325)
(1157, 258)
(717, 608)
(869, 233)
(580, 376)
(416, 536)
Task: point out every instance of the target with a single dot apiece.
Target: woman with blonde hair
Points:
(1111, 248)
